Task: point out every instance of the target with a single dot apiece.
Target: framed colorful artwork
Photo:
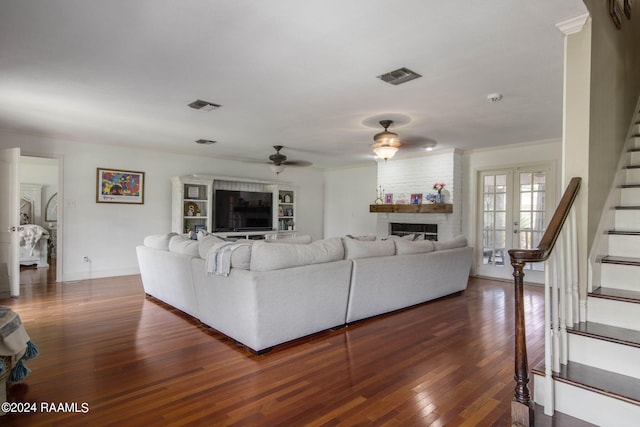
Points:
(388, 198)
(119, 186)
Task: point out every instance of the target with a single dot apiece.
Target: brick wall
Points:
(404, 177)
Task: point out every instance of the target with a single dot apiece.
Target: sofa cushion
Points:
(405, 247)
(266, 256)
(414, 236)
(457, 242)
(184, 245)
(159, 241)
(354, 249)
(300, 240)
(364, 237)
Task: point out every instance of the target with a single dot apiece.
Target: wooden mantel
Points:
(426, 208)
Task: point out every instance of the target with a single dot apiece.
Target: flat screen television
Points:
(242, 211)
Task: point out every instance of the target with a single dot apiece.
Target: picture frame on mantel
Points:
(119, 186)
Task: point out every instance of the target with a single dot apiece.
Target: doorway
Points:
(515, 205)
(40, 190)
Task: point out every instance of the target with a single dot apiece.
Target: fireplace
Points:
(429, 231)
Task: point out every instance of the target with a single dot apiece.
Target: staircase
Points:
(600, 383)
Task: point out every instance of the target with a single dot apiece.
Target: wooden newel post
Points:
(522, 410)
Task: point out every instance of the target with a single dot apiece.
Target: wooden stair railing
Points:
(522, 408)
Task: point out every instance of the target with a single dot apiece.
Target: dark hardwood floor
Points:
(136, 361)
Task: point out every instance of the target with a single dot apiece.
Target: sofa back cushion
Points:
(300, 240)
(354, 249)
(405, 247)
(184, 245)
(457, 242)
(159, 241)
(266, 256)
(365, 237)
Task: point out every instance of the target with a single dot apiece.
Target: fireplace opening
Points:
(428, 231)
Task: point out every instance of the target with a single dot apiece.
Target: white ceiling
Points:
(298, 73)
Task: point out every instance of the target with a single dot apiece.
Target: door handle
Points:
(14, 228)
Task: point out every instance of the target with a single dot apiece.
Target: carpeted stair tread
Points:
(609, 333)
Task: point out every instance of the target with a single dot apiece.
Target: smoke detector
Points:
(494, 97)
(399, 76)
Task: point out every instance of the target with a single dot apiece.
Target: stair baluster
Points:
(522, 412)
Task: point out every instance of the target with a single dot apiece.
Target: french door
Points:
(9, 221)
(514, 208)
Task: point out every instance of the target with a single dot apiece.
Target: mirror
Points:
(51, 212)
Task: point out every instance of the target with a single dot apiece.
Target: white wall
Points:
(109, 233)
(348, 194)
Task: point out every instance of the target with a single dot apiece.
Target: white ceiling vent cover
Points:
(399, 76)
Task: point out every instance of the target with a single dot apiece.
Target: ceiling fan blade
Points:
(418, 143)
(297, 163)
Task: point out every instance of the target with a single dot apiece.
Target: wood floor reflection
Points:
(136, 361)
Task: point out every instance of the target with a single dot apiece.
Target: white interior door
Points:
(512, 214)
(9, 221)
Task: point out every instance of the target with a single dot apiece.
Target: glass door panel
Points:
(495, 217)
(513, 215)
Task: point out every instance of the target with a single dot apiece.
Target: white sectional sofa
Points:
(271, 292)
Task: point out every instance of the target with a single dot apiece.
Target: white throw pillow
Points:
(405, 247)
(457, 242)
(159, 241)
(184, 245)
(354, 249)
(266, 256)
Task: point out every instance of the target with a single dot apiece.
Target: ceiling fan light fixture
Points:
(277, 168)
(386, 142)
(385, 152)
(386, 137)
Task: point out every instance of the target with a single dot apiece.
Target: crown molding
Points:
(573, 25)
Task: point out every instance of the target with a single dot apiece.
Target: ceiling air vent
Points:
(199, 104)
(205, 141)
(399, 76)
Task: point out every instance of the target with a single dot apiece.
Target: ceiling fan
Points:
(279, 161)
(386, 143)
